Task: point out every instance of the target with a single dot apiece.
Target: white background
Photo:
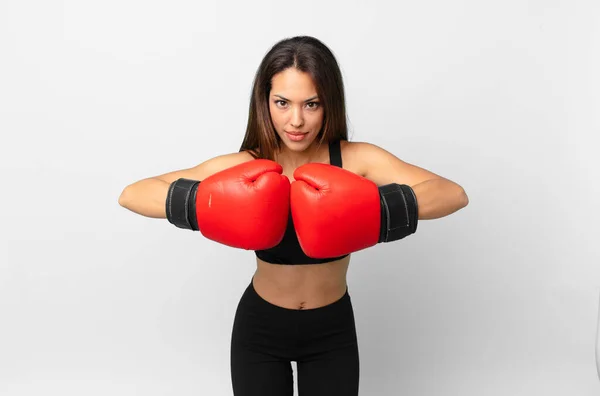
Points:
(502, 97)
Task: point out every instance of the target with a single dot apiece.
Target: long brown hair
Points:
(309, 55)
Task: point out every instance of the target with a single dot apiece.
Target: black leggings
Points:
(266, 338)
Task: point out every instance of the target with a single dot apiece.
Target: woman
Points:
(344, 196)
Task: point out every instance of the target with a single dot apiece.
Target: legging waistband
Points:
(253, 298)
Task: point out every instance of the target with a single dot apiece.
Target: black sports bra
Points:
(289, 251)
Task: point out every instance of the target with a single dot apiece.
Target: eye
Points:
(277, 102)
(315, 105)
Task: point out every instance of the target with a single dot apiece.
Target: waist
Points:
(301, 286)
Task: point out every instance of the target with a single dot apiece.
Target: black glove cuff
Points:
(181, 204)
(399, 212)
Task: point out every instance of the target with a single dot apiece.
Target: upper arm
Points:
(206, 168)
(383, 167)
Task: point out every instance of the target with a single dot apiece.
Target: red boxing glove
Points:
(245, 206)
(337, 212)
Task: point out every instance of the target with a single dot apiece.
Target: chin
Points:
(299, 147)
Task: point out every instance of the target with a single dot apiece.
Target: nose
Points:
(296, 119)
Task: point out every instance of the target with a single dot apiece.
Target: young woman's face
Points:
(295, 108)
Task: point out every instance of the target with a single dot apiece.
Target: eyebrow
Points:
(307, 100)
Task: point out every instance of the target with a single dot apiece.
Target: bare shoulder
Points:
(208, 167)
(383, 167)
(362, 148)
(356, 156)
(225, 161)
(351, 157)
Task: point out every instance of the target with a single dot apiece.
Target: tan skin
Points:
(294, 106)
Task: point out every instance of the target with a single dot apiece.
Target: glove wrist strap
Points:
(399, 212)
(180, 204)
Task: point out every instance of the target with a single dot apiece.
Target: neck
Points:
(294, 159)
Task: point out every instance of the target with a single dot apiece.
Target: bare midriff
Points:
(301, 286)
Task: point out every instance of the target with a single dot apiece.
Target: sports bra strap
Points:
(335, 153)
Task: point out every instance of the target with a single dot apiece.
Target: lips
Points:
(296, 136)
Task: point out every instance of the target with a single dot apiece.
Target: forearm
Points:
(146, 197)
(438, 198)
